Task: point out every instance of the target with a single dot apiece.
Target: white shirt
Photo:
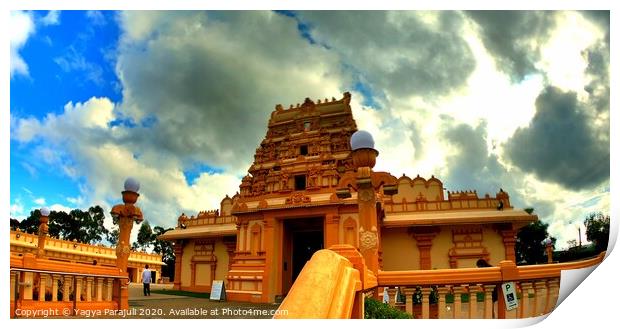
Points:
(146, 276)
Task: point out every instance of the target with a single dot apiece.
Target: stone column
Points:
(269, 275)
(78, 289)
(178, 258)
(42, 283)
(89, 288)
(26, 289)
(13, 285)
(109, 286)
(55, 279)
(488, 300)
(441, 303)
(99, 295)
(66, 285)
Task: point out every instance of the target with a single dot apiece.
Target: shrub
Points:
(374, 309)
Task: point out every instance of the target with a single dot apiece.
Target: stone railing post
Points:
(473, 301)
(392, 294)
(441, 303)
(26, 289)
(409, 300)
(554, 291)
(426, 291)
(488, 300)
(540, 292)
(458, 310)
(526, 287)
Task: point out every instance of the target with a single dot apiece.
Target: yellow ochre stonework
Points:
(300, 196)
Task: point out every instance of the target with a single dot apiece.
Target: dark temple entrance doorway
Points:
(302, 238)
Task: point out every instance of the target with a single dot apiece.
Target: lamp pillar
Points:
(43, 230)
(126, 214)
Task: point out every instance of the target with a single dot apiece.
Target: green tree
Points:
(79, 225)
(529, 247)
(112, 236)
(165, 249)
(597, 230)
(145, 236)
(14, 224)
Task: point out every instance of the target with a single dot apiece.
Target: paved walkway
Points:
(161, 306)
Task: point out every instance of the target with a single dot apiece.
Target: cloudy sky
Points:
(180, 100)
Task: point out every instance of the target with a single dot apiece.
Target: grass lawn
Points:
(182, 293)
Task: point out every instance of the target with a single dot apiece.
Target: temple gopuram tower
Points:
(287, 208)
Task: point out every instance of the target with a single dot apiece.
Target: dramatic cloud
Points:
(560, 144)
(399, 54)
(462, 96)
(22, 27)
(515, 38)
(224, 72)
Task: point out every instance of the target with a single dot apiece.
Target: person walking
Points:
(146, 280)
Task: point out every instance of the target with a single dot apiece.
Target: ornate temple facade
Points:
(288, 207)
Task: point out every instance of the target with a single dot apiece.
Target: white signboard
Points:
(510, 295)
(218, 290)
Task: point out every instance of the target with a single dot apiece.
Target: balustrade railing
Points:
(476, 293)
(48, 288)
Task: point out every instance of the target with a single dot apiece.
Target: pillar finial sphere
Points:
(362, 139)
(132, 185)
(45, 211)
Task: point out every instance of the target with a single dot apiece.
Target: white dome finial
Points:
(362, 139)
(45, 211)
(132, 185)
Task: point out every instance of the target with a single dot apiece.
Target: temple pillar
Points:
(78, 289)
(14, 276)
(99, 291)
(66, 287)
(269, 275)
(89, 288)
(109, 286)
(178, 258)
(26, 288)
(424, 239)
(42, 283)
(55, 279)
